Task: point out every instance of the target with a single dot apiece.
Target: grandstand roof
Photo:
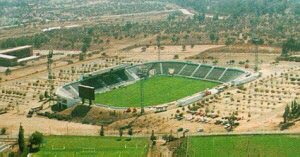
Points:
(7, 56)
(15, 49)
(28, 58)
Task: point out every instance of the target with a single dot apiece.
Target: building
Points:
(11, 57)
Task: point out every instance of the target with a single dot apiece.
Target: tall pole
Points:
(256, 42)
(142, 94)
(50, 75)
(143, 74)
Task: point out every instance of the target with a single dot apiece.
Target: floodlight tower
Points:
(143, 74)
(50, 75)
(256, 41)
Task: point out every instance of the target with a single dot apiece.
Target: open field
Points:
(70, 146)
(251, 145)
(173, 88)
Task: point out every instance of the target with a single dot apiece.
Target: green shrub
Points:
(58, 107)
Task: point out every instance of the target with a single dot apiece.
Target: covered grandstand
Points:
(108, 79)
(17, 55)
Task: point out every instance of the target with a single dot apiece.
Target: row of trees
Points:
(130, 133)
(37, 41)
(175, 30)
(86, 43)
(238, 8)
(291, 45)
(21, 12)
(34, 141)
(291, 111)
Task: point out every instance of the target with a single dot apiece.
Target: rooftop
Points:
(7, 56)
(15, 49)
(27, 59)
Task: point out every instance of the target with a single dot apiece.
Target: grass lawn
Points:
(244, 146)
(74, 146)
(157, 90)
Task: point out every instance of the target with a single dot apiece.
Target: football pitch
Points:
(74, 146)
(157, 90)
(237, 146)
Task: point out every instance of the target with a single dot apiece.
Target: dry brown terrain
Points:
(264, 99)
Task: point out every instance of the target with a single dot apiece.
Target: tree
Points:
(175, 39)
(257, 41)
(290, 45)
(286, 114)
(87, 41)
(81, 56)
(158, 39)
(153, 138)
(291, 112)
(130, 132)
(21, 141)
(7, 71)
(120, 132)
(183, 47)
(84, 48)
(41, 97)
(229, 41)
(3, 131)
(46, 94)
(11, 154)
(102, 131)
(231, 122)
(200, 17)
(36, 139)
(213, 37)
(168, 138)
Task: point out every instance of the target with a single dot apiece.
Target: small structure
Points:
(161, 109)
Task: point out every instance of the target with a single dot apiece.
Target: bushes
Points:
(286, 125)
(168, 138)
(3, 131)
(55, 116)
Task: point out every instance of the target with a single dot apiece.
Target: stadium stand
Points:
(202, 71)
(189, 69)
(215, 73)
(157, 67)
(231, 74)
(95, 82)
(122, 74)
(172, 65)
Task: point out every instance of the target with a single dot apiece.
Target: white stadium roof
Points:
(7, 56)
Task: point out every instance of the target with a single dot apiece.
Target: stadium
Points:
(181, 82)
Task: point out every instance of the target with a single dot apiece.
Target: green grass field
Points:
(243, 146)
(74, 146)
(157, 90)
